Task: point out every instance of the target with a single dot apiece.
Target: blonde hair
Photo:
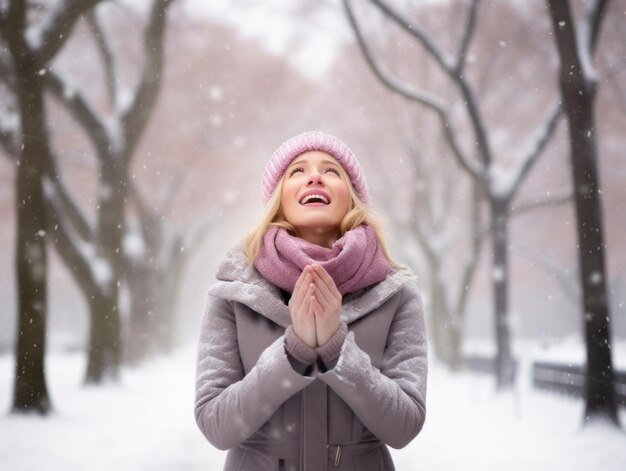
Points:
(359, 213)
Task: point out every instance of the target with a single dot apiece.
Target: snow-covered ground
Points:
(146, 423)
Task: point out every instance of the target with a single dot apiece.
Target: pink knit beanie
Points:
(305, 142)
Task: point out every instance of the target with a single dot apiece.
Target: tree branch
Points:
(416, 32)
(58, 27)
(135, 118)
(554, 198)
(478, 238)
(615, 82)
(78, 107)
(467, 37)
(544, 136)
(424, 99)
(106, 51)
(568, 282)
(476, 119)
(557, 198)
(594, 20)
(7, 76)
(422, 192)
(140, 203)
(61, 237)
(10, 122)
(456, 75)
(395, 85)
(64, 204)
(9, 139)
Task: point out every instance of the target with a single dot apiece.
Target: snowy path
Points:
(146, 424)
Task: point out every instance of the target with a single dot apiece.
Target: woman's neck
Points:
(319, 236)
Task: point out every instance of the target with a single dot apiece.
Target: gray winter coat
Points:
(251, 401)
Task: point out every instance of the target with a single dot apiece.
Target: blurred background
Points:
(133, 137)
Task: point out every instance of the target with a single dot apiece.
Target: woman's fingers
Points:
(304, 300)
(310, 294)
(315, 307)
(328, 281)
(330, 298)
(299, 283)
(301, 278)
(326, 297)
(302, 316)
(301, 287)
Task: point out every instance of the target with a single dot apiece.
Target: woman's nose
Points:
(315, 178)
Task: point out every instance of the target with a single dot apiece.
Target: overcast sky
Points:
(277, 25)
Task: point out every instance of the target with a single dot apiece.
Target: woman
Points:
(312, 350)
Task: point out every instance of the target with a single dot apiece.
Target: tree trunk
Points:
(145, 280)
(171, 279)
(578, 91)
(105, 352)
(144, 317)
(504, 368)
(446, 328)
(600, 376)
(30, 383)
(438, 318)
(30, 391)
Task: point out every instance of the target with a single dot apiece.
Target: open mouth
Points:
(314, 198)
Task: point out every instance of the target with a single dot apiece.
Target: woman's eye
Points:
(332, 169)
(295, 169)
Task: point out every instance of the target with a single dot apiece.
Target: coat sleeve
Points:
(390, 402)
(230, 405)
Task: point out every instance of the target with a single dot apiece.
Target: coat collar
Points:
(238, 281)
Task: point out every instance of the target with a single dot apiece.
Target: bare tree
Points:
(576, 45)
(30, 55)
(432, 226)
(479, 161)
(155, 260)
(94, 254)
(428, 221)
(97, 255)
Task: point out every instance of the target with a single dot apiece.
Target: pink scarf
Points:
(354, 261)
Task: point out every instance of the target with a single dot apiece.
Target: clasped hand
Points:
(315, 306)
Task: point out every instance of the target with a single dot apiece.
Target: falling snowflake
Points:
(595, 278)
(497, 274)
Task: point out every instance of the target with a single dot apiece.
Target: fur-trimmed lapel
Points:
(238, 281)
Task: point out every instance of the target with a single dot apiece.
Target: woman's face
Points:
(315, 197)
